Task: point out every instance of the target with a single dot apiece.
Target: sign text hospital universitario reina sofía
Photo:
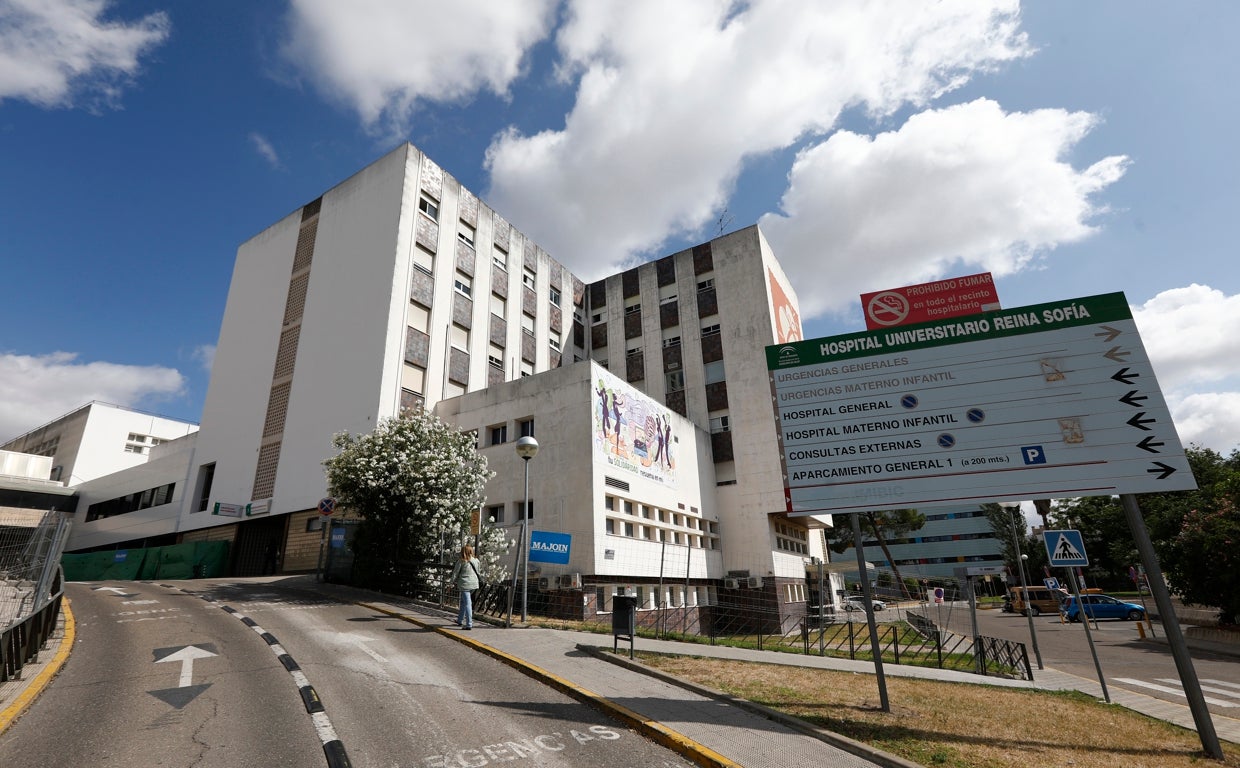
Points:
(1046, 401)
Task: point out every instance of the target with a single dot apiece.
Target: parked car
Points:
(1036, 600)
(857, 603)
(1102, 607)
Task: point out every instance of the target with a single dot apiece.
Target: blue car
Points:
(1102, 607)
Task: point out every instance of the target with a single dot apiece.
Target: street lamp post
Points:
(1013, 510)
(527, 448)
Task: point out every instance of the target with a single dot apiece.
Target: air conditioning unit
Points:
(673, 366)
(731, 584)
(755, 582)
(568, 581)
(544, 583)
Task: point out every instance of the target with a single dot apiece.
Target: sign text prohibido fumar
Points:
(1046, 401)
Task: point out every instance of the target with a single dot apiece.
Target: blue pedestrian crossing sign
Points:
(1065, 549)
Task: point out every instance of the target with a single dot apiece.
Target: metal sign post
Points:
(1171, 626)
(866, 595)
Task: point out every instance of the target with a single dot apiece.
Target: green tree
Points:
(893, 524)
(1193, 532)
(1002, 521)
(415, 480)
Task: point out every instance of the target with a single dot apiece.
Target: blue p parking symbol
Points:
(1033, 454)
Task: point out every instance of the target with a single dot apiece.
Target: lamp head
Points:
(527, 447)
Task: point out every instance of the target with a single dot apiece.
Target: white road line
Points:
(1175, 691)
(323, 726)
(1222, 682)
(1204, 687)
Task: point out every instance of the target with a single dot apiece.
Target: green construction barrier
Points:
(192, 560)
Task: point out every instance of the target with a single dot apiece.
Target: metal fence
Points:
(907, 633)
(30, 585)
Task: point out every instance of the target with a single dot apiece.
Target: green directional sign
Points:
(1046, 401)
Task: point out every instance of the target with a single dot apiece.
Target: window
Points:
(459, 337)
(706, 285)
(413, 378)
(554, 341)
(555, 296)
(667, 299)
(499, 434)
(499, 306)
(671, 341)
(633, 309)
(675, 381)
(711, 330)
(715, 372)
(609, 503)
(423, 260)
(720, 424)
(494, 514)
(529, 278)
(527, 324)
(597, 318)
(526, 427)
(628, 530)
(611, 526)
(466, 234)
(527, 369)
(464, 285)
(419, 317)
(628, 507)
(429, 207)
(633, 352)
(206, 476)
(495, 362)
(500, 259)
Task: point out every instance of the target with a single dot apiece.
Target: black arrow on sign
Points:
(1133, 399)
(1148, 444)
(1109, 333)
(1116, 354)
(1163, 470)
(1139, 422)
(1124, 375)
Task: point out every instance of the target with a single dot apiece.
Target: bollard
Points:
(1140, 631)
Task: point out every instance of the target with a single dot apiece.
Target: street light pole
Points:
(1012, 511)
(527, 448)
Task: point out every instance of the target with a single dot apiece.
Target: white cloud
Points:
(37, 389)
(263, 147)
(1183, 331)
(54, 53)
(381, 58)
(205, 354)
(965, 187)
(674, 97)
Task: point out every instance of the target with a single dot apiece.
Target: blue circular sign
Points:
(909, 401)
(946, 440)
(975, 415)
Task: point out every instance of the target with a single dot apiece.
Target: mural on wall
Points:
(787, 320)
(631, 431)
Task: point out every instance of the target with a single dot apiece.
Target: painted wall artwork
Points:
(631, 431)
(787, 319)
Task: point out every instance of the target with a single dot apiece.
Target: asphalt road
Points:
(161, 676)
(1143, 666)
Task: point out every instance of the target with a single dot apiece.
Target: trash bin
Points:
(623, 621)
(624, 616)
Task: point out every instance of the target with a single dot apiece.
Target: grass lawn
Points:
(956, 724)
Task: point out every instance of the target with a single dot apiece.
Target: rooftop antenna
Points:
(724, 220)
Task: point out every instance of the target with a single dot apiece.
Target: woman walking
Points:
(466, 579)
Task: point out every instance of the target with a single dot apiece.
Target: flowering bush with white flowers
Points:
(415, 480)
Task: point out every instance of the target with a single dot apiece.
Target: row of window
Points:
(151, 497)
(649, 597)
(633, 305)
(497, 434)
(656, 533)
(652, 513)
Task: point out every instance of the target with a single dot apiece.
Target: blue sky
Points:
(1069, 148)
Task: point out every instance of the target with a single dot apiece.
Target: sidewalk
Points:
(712, 721)
(708, 728)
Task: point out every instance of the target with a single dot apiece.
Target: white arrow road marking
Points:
(186, 656)
(1175, 691)
(360, 641)
(110, 589)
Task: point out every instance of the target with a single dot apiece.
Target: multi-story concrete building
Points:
(98, 439)
(398, 288)
(953, 536)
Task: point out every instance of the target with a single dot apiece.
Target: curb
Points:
(836, 740)
(700, 754)
(23, 701)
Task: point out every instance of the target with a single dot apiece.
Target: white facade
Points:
(399, 288)
(98, 439)
(952, 537)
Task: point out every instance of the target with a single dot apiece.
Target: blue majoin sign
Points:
(548, 547)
